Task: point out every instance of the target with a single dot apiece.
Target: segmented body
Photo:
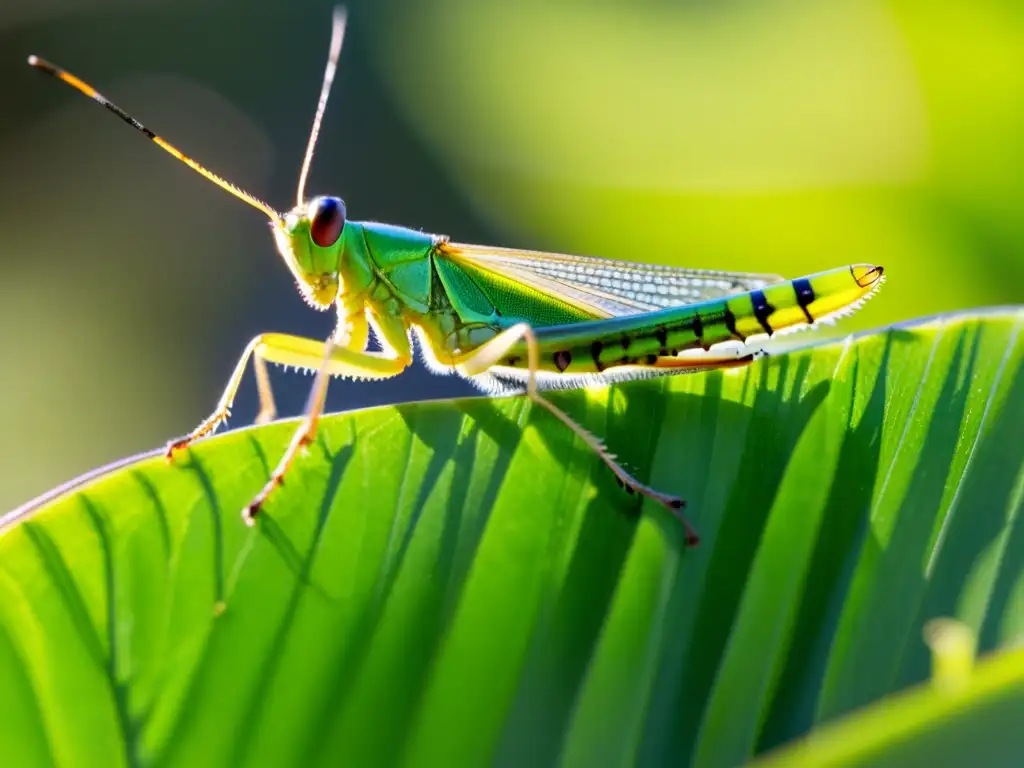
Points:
(457, 305)
(656, 339)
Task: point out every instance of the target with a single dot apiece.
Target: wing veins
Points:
(607, 287)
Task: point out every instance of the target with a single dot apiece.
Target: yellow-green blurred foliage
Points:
(771, 135)
(786, 135)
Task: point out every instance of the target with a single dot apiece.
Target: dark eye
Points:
(326, 220)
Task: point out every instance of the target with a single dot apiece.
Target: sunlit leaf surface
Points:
(974, 722)
(462, 583)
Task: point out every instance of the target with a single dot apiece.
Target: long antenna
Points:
(92, 93)
(337, 35)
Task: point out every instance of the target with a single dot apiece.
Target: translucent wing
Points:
(605, 287)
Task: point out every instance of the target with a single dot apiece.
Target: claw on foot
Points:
(673, 504)
(253, 508)
(176, 445)
(249, 513)
(207, 427)
(676, 506)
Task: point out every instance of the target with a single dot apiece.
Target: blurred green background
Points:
(778, 135)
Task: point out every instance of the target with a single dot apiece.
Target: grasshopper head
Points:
(310, 240)
(309, 237)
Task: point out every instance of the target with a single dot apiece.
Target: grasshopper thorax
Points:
(310, 241)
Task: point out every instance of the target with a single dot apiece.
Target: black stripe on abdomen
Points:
(804, 296)
(729, 318)
(762, 310)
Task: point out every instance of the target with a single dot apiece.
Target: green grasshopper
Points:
(502, 318)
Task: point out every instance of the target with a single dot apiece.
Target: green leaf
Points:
(463, 583)
(976, 720)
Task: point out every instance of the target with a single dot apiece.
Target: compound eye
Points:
(326, 220)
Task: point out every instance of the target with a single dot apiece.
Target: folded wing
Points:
(605, 287)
